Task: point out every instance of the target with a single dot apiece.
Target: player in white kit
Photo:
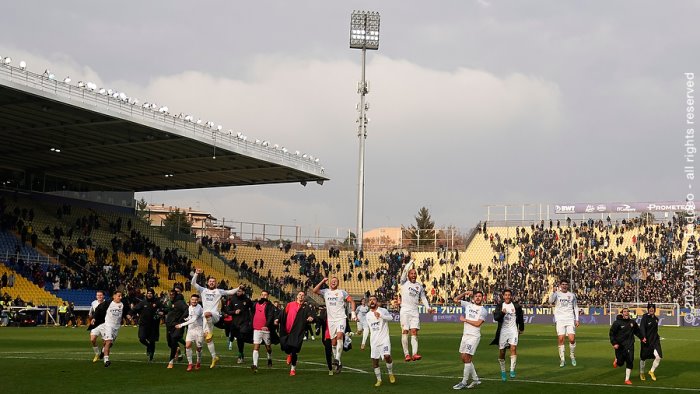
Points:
(566, 319)
(412, 295)
(378, 323)
(195, 331)
(336, 300)
(362, 327)
(211, 303)
(474, 317)
(99, 298)
(511, 324)
(110, 328)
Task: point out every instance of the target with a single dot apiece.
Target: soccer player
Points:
(651, 344)
(99, 298)
(622, 334)
(378, 322)
(177, 310)
(412, 294)
(474, 317)
(336, 300)
(362, 327)
(511, 324)
(297, 314)
(150, 311)
(566, 319)
(263, 327)
(211, 303)
(114, 312)
(195, 331)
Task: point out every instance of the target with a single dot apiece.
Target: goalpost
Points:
(669, 312)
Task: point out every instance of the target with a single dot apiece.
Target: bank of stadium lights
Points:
(56, 150)
(66, 80)
(7, 60)
(364, 35)
(169, 175)
(22, 65)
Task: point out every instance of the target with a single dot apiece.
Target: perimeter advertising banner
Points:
(544, 315)
(618, 207)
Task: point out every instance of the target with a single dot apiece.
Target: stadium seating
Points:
(28, 291)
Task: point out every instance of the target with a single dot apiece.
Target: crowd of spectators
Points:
(584, 253)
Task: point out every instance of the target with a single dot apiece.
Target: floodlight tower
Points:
(364, 35)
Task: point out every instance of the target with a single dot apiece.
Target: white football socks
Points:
(502, 363)
(404, 344)
(414, 344)
(212, 349)
(339, 350)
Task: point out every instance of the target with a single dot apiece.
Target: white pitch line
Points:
(359, 371)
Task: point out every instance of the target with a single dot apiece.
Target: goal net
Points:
(668, 313)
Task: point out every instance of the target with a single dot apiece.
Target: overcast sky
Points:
(473, 102)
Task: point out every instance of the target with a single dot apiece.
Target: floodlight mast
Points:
(364, 35)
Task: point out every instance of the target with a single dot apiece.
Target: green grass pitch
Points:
(56, 359)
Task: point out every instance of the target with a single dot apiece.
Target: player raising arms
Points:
(566, 319)
(211, 303)
(510, 324)
(378, 322)
(412, 294)
(335, 307)
(651, 345)
(195, 331)
(474, 317)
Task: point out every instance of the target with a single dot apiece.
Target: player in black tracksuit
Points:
(150, 309)
(176, 313)
(622, 334)
(651, 348)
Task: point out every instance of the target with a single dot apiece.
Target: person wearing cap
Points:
(651, 345)
(150, 312)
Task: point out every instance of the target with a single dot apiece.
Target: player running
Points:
(378, 322)
(474, 317)
(412, 294)
(336, 300)
(651, 344)
(622, 334)
(195, 331)
(211, 303)
(511, 324)
(94, 322)
(566, 319)
(362, 327)
(114, 312)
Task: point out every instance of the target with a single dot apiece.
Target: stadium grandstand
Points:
(69, 226)
(76, 153)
